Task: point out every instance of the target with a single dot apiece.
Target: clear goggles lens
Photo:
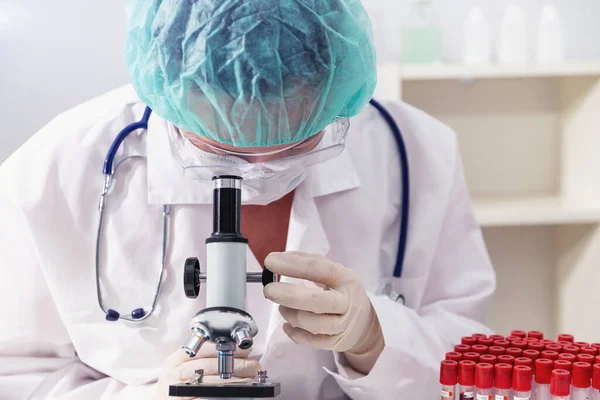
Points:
(203, 165)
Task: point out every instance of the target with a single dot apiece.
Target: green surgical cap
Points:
(251, 73)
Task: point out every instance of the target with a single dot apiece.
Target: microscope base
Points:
(241, 390)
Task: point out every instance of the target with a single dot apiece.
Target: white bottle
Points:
(477, 42)
(550, 37)
(514, 40)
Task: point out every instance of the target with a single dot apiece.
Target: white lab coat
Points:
(55, 343)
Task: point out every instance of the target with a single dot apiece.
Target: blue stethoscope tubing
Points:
(141, 314)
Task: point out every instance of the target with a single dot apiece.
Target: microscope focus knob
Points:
(191, 278)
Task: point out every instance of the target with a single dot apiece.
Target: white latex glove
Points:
(335, 314)
(179, 367)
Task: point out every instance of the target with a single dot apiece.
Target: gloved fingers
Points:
(242, 368)
(208, 350)
(300, 336)
(311, 267)
(311, 299)
(318, 324)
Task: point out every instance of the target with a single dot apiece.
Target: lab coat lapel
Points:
(306, 232)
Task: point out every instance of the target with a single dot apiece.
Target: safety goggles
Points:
(204, 165)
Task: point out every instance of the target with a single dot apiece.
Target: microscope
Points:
(224, 321)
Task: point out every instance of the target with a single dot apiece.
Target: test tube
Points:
(533, 354)
(566, 337)
(454, 356)
(562, 364)
(597, 359)
(520, 344)
(502, 343)
(596, 345)
(485, 342)
(595, 392)
(550, 355)
(536, 335)
(571, 350)
(523, 361)
(488, 359)
(560, 384)
(547, 341)
(478, 335)
(581, 344)
(496, 350)
(587, 358)
(522, 382)
(554, 347)
(462, 348)
(513, 338)
(539, 346)
(496, 337)
(564, 343)
(448, 378)
(479, 348)
(567, 357)
(531, 340)
(468, 340)
(514, 351)
(589, 350)
(582, 373)
(518, 333)
(503, 381)
(466, 379)
(471, 356)
(506, 359)
(484, 381)
(543, 375)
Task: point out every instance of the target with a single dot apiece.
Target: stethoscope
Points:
(140, 314)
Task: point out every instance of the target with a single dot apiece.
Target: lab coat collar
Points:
(168, 185)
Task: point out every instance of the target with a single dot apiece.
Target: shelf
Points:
(523, 211)
(461, 72)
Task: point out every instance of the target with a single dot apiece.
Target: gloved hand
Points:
(179, 367)
(335, 314)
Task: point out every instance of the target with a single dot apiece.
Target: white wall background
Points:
(56, 54)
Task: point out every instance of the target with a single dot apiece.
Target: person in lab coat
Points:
(266, 79)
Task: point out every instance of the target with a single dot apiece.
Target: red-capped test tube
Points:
(550, 355)
(593, 351)
(522, 375)
(496, 337)
(462, 348)
(479, 348)
(486, 341)
(563, 364)
(595, 392)
(521, 344)
(448, 378)
(484, 381)
(567, 357)
(488, 359)
(543, 375)
(468, 340)
(536, 335)
(471, 356)
(560, 384)
(502, 343)
(565, 337)
(478, 335)
(454, 356)
(503, 381)
(518, 333)
(496, 350)
(506, 359)
(571, 350)
(587, 358)
(466, 379)
(581, 344)
(582, 374)
(538, 346)
(514, 351)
